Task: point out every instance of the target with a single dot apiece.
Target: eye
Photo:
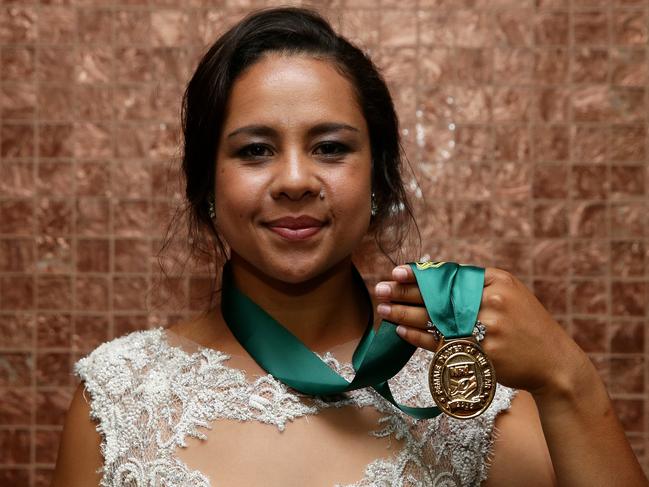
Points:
(333, 149)
(253, 151)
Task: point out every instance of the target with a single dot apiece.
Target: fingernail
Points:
(383, 290)
(401, 331)
(384, 309)
(399, 273)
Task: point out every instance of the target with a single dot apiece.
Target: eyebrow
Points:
(265, 130)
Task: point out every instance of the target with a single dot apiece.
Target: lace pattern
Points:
(148, 396)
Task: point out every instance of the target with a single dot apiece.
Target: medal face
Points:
(462, 379)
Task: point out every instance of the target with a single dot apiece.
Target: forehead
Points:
(292, 90)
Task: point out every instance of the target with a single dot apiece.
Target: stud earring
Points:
(322, 194)
(375, 207)
(210, 207)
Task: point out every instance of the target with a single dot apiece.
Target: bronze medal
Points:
(462, 379)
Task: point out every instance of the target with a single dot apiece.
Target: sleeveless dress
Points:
(171, 412)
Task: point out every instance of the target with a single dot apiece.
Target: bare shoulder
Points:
(79, 457)
(520, 453)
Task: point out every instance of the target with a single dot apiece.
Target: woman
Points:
(291, 159)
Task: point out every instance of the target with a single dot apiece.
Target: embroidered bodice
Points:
(160, 408)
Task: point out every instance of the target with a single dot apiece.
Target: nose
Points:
(296, 177)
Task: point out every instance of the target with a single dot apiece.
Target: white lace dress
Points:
(156, 403)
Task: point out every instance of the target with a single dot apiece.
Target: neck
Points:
(323, 312)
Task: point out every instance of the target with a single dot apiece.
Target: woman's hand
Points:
(528, 348)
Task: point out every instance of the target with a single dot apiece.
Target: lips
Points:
(296, 228)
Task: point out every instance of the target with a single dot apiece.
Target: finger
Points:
(418, 338)
(403, 274)
(394, 291)
(403, 314)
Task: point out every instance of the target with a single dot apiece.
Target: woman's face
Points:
(293, 131)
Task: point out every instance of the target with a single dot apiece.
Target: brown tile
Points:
(512, 143)
(91, 293)
(134, 65)
(16, 477)
(628, 298)
(358, 25)
(129, 293)
(52, 405)
(589, 181)
(17, 330)
(550, 257)
(17, 101)
(550, 220)
(472, 143)
(514, 26)
(551, 142)
(627, 375)
(551, 65)
(55, 139)
(627, 181)
(552, 294)
(89, 332)
(16, 406)
(591, 27)
(398, 28)
(17, 180)
(468, 65)
(629, 67)
(510, 219)
(16, 292)
(93, 255)
(53, 254)
(57, 25)
(472, 105)
(54, 217)
(627, 337)
(513, 65)
(93, 140)
(628, 258)
(94, 102)
(16, 255)
(592, 103)
(54, 292)
(512, 104)
(14, 446)
(95, 25)
(590, 258)
(131, 179)
(55, 178)
(513, 256)
(589, 296)
(627, 219)
(133, 27)
(17, 63)
(53, 369)
(92, 216)
(550, 181)
(132, 255)
(93, 179)
(472, 219)
(590, 144)
(628, 143)
(55, 64)
(132, 218)
(590, 65)
(125, 324)
(590, 334)
(588, 219)
(17, 217)
(551, 104)
(47, 445)
(17, 369)
(474, 181)
(630, 27)
(54, 330)
(551, 28)
(17, 140)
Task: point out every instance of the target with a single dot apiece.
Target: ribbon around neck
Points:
(379, 354)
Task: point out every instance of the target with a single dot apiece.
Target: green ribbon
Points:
(378, 356)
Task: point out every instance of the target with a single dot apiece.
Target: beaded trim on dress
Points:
(148, 396)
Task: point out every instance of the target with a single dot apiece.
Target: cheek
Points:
(234, 197)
